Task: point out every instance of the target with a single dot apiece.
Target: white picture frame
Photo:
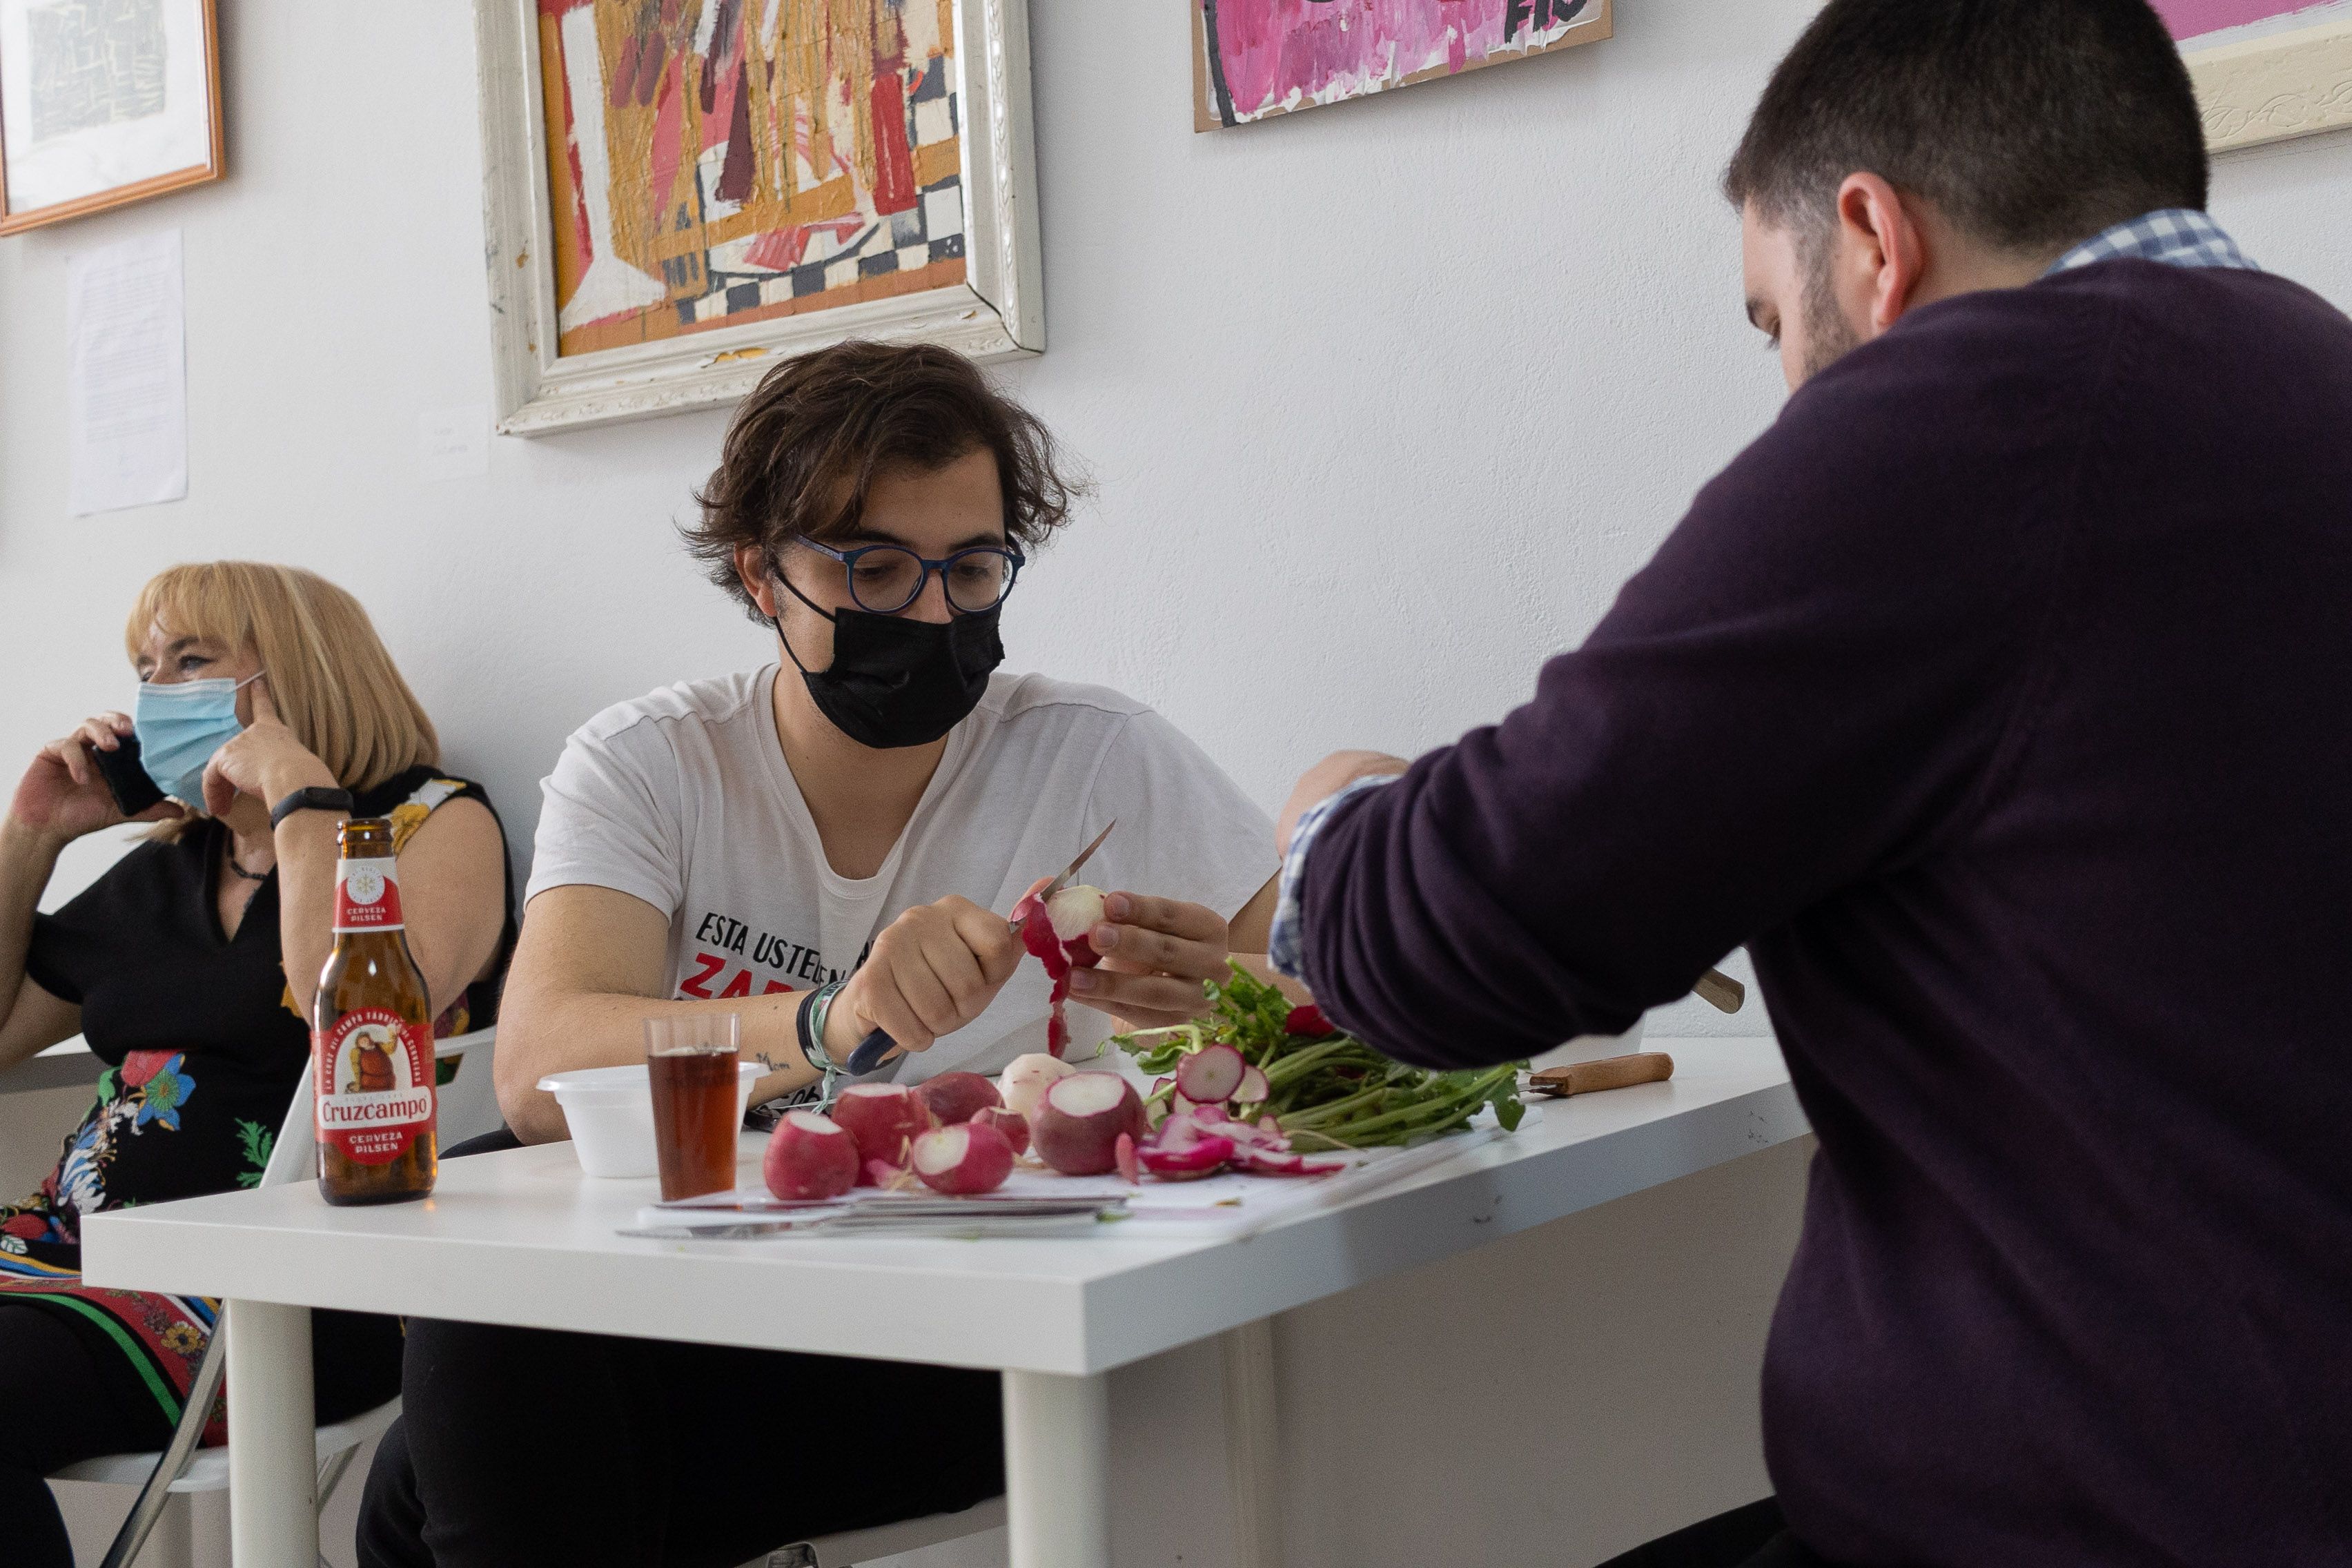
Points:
(996, 313)
(2295, 81)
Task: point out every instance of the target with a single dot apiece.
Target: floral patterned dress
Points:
(203, 1048)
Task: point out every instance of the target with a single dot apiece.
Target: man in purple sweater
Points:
(1998, 699)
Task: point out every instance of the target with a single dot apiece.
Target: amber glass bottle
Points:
(371, 1037)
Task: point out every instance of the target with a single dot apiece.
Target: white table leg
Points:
(1057, 1469)
(273, 1515)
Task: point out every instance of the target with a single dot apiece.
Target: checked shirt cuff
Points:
(1282, 942)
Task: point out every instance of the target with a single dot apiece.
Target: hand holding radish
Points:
(933, 971)
(1156, 955)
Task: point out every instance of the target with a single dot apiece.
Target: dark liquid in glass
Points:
(694, 1122)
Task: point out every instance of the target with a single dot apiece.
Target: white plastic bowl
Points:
(611, 1113)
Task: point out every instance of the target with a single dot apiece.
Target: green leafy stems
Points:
(1327, 1091)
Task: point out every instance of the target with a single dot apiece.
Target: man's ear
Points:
(1882, 252)
(751, 571)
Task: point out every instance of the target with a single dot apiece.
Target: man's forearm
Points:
(539, 1035)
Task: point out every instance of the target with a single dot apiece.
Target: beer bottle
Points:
(371, 1037)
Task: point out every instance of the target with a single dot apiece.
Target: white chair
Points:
(855, 1546)
(182, 1467)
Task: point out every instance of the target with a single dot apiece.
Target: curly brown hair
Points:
(807, 444)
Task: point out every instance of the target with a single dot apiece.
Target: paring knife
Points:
(877, 1045)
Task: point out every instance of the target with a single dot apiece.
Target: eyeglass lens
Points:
(885, 579)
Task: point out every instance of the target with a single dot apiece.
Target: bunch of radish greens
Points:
(1325, 1087)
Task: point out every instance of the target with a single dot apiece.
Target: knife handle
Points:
(1721, 991)
(869, 1053)
(1611, 1072)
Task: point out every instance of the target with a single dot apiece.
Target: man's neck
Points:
(860, 798)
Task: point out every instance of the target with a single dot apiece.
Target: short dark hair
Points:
(806, 444)
(2028, 124)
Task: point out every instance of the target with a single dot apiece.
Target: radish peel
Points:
(1055, 932)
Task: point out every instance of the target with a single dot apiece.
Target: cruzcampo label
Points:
(374, 1085)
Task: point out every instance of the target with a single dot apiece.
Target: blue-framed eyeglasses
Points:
(884, 579)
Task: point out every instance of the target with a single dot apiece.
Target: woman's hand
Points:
(264, 760)
(1156, 955)
(933, 971)
(63, 795)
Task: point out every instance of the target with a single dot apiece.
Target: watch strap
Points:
(311, 799)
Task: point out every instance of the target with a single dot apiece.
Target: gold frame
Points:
(215, 167)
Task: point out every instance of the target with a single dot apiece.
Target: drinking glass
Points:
(691, 1058)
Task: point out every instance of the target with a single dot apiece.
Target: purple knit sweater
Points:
(2000, 700)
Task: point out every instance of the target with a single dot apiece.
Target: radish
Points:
(1254, 1090)
(1025, 1081)
(1211, 1073)
(1011, 1123)
(968, 1158)
(1077, 1129)
(1201, 1157)
(1281, 1162)
(1056, 931)
(810, 1157)
(885, 1119)
(955, 1097)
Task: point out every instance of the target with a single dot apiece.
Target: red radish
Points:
(1123, 1156)
(1201, 1157)
(967, 1158)
(885, 1119)
(1077, 1129)
(955, 1097)
(1056, 931)
(1307, 1020)
(1254, 1090)
(1211, 1073)
(810, 1157)
(1011, 1123)
(1028, 1077)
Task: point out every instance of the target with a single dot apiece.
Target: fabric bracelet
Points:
(809, 1023)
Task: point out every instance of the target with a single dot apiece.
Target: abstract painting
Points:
(2266, 69)
(753, 175)
(104, 102)
(1255, 59)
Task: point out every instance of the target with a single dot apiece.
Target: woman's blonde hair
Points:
(334, 681)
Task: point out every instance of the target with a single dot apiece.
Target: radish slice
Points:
(1274, 1162)
(1123, 1153)
(1211, 1073)
(1206, 1157)
(1254, 1090)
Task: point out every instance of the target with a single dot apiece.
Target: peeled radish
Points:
(1011, 1122)
(962, 1159)
(1025, 1081)
(953, 1097)
(1077, 1128)
(1210, 1075)
(885, 1118)
(1056, 931)
(809, 1157)
(1200, 1157)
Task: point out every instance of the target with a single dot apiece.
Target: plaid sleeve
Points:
(1282, 942)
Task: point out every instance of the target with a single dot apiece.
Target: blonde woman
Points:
(268, 712)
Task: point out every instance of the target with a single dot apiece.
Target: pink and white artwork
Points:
(1255, 59)
(2266, 69)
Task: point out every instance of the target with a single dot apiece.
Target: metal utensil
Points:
(877, 1045)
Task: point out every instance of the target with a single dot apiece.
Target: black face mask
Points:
(898, 682)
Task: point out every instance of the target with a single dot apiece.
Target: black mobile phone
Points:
(126, 777)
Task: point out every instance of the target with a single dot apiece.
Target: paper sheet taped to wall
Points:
(127, 383)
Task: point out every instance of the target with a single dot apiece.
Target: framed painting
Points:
(1253, 60)
(105, 102)
(679, 192)
(2266, 69)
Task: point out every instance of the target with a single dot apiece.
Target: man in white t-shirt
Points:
(839, 835)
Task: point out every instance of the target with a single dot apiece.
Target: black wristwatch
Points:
(311, 799)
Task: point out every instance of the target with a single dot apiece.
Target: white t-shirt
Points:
(683, 798)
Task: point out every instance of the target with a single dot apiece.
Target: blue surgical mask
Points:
(180, 727)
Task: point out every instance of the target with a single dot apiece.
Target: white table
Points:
(523, 1238)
